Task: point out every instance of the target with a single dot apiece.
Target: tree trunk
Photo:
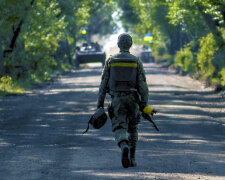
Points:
(16, 33)
(67, 51)
(1, 59)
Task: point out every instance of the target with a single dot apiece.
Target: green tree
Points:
(129, 16)
(13, 15)
(30, 31)
(193, 31)
(75, 15)
(200, 16)
(94, 16)
(100, 21)
(39, 37)
(204, 19)
(1, 59)
(151, 16)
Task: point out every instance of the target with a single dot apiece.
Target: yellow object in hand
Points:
(148, 110)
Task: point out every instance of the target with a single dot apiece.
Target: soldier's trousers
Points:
(126, 118)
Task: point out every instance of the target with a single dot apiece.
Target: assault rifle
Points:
(147, 117)
(144, 115)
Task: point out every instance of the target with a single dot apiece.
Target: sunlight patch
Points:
(147, 175)
(61, 113)
(5, 144)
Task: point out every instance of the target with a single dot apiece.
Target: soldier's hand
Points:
(100, 106)
(142, 106)
(149, 110)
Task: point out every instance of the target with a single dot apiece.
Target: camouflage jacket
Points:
(142, 87)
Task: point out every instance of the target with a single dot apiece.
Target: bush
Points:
(185, 60)
(7, 86)
(222, 77)
(206, 55)
(161, 50)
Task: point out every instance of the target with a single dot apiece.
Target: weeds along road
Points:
(41, 131)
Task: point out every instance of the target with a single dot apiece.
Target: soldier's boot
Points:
(132, 157)
(125, 154)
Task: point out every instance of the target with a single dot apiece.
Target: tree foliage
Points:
(38, 37)
(193, 31)
(101, 21)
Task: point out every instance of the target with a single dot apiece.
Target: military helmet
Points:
(98, 119)
(124, 41)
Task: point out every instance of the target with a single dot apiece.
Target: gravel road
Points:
(41, 132)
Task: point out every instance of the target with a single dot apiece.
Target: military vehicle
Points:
(89, 53)
(146, 54)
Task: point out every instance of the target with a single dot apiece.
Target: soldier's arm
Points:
(142, 86)
(103, 89)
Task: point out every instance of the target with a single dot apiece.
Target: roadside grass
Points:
(9, 87)
(218, 83)
(164, 58)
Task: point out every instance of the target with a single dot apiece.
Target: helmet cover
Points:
(124, 41)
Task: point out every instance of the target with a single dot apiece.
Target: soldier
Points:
(124, 79)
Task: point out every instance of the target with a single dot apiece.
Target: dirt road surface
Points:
(41, 132)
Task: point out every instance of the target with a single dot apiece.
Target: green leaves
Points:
(193, 31)
(38, 37)
(206, 55)
(185, 59)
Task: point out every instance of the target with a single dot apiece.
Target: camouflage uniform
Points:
(124, 102)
